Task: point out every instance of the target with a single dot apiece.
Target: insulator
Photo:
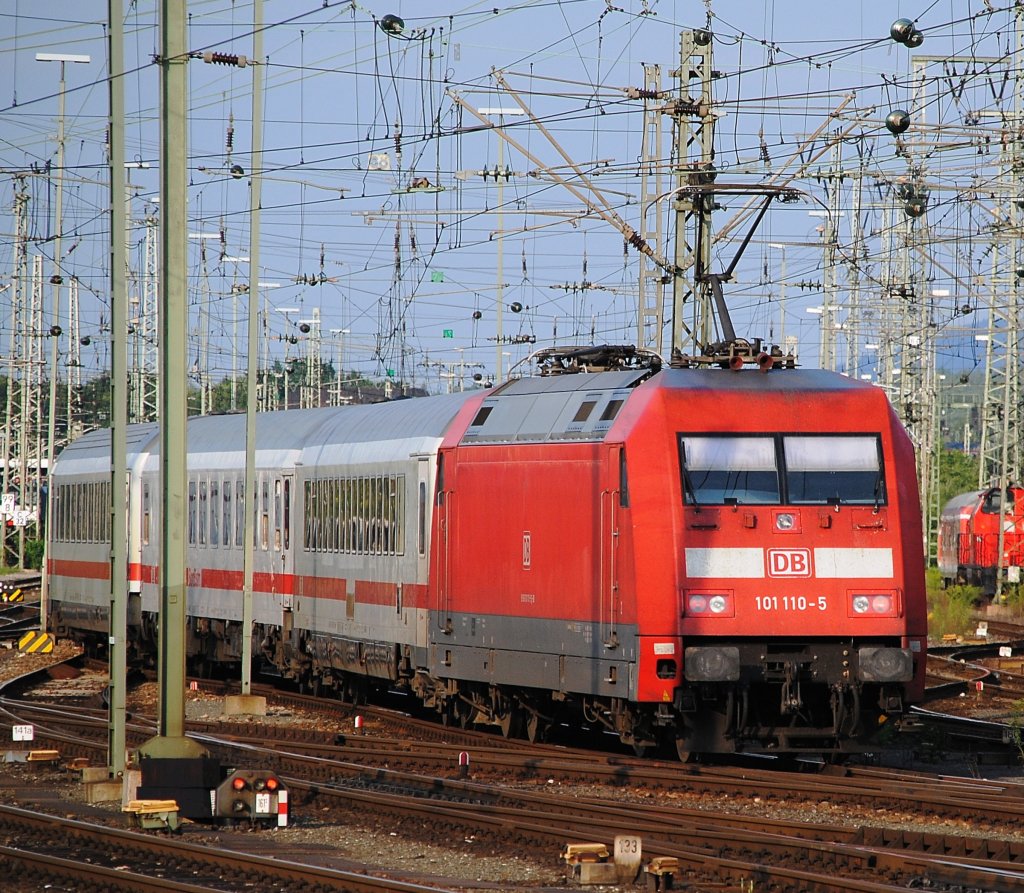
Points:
(55, 331)
(237, 171)
(901, 29)
(516, 307)
(231, 138)
(701, 37)
(85, 341)
(225, 59)
(897, 121)
(304, 328)
(915, 39)
(477, 314)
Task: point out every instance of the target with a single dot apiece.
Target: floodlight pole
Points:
(54, 333)
(119, 595)
(170, 741)
(251, 497)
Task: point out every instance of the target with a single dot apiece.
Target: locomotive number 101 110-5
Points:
(790, 603)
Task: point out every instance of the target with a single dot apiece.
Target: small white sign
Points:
(1006, 651)
(263, 804)
(23, 733)
(7, 504)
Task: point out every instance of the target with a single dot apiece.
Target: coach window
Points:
(265, 514)
(192, 512)
(239, 512)
(147, 509)
(225, 488)
(278, 514)
(214, 513)
(833, 470)
(287, 513)
(729, 470)
(203, 505)
(421, 526)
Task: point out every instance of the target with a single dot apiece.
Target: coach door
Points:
(282, 581)
(443, 507)
(611, 500)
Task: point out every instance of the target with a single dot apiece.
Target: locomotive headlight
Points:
(874, 604)
(784, 521)
(718, 604)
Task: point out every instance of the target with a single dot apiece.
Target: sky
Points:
(385, 228)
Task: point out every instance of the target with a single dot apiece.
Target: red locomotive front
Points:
(792, 569)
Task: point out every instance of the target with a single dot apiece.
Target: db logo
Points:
(789, 563)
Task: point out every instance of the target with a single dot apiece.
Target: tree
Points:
(958, 473)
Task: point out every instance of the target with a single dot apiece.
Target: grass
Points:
(950, 610)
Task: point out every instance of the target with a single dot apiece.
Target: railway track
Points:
(414, 787)
(46, 847)
(22, 614)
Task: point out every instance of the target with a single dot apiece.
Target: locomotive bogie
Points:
(707, 560)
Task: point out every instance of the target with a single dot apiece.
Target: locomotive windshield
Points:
(828, 469)
(782, 469)
(721, 470)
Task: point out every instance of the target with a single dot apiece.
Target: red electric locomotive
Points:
(718, 560)
(715, 560)
(969, 538)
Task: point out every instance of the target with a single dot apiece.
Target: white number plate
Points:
(796, 603)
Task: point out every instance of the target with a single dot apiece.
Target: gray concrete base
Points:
(102, 791)
(94, 774)
(245, 705)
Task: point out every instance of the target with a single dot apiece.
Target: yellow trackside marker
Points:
(16, 596)
(36, 642)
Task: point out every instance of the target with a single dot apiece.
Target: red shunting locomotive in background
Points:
(972, 527)
(712, 560)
